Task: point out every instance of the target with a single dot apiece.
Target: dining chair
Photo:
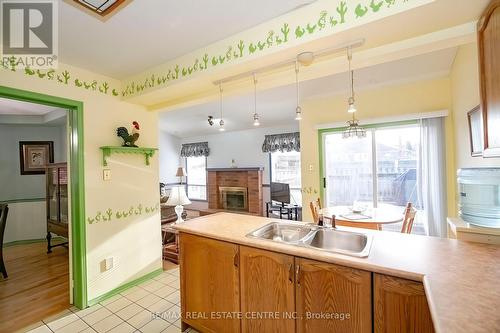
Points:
(315, 208)
(4, 210)
(408, 219)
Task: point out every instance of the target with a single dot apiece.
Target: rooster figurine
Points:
(129, 139)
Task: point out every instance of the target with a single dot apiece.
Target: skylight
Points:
(101, 7)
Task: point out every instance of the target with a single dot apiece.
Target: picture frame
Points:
(34, 156)
(476, 131)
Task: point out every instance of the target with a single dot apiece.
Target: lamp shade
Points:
(181, 172)
(178, 197)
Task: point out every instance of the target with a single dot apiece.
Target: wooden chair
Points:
(4, 210)
(315, 208)
(408, 219)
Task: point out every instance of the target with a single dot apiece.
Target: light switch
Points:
(106, 174)
(108, 263)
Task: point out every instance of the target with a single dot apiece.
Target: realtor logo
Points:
(29, 33)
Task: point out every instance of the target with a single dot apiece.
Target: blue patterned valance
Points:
(195, 149)
(281, 142)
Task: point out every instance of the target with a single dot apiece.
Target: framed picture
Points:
(34, 156)
(476, 134)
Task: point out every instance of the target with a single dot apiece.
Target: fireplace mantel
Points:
(235, 169)
(248, 178)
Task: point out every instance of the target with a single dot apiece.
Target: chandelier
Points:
(354, 130)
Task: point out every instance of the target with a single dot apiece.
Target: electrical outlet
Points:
(106, 174)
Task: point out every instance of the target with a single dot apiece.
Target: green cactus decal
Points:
(285, 30)
(241, 47)
(215, 61)
(310, 28)
(261, 45)
(360, 11)
(78, 83)
(51, 74)
(119, 214)
(270, 38)
(299, 31)
(322, 20)
(222, 59)
(376, 6)
(390, 3)
(29, 71)
(342, 10)
(333, 21)
(252, 48)
(104, 88)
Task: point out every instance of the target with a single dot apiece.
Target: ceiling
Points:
(146, 33)
(277, 106)
(18, 112)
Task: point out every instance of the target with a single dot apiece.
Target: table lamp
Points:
(178, 198)
(181, 172)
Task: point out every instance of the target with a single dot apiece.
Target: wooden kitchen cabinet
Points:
(267, 287)
(400, 306)
(332, 290)
(489, 72)
(209, 284)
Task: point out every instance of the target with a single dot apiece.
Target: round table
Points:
(374, 218)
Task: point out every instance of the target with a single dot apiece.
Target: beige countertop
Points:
(461, 279)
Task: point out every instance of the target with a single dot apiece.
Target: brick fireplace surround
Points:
(251, 178)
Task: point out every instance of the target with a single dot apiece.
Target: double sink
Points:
(316, 237)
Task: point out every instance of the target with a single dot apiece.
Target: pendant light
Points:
(256, 121)
(353, 130)
(298, 109)
(221, 123)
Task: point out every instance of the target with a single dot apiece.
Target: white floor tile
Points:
(130, 290)
(174, 297)
(87, 311)
(119, 304)
(56, 316)
(76, 326)
(129, 311)
(140, 319)
(166, 278)
(137, 294)
(88, 330)
(107, 323)
(123, 328)
(172, 329)
(152, 286)
(173, 314)
(160, 306)
(41, 329)
(155, 326)
(97, 316)
(148, 300)
(111, 299)
(61, 322)
(164, 291)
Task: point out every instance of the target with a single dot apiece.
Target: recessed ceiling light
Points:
(101, 7)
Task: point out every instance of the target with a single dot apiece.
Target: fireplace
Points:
(233, 198)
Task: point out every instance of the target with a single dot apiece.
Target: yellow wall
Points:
(424, 96)
(464, 79)
(134, 242)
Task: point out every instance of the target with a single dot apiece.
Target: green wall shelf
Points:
(109, 150)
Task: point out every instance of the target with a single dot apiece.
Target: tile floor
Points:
(149, 307)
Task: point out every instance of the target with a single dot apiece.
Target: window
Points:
(196, 169)
(378, 170)
(285, 168)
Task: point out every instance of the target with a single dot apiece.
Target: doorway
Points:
(78, 266)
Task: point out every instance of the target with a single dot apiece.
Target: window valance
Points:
(195, 149)
(281, 142)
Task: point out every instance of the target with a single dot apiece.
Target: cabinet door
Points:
(332, 298)
(400, 306)
(267, 291)
(210, 297)
(489, 71)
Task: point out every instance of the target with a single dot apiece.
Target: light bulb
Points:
(256, 119)
(298, 113)
(351, 108)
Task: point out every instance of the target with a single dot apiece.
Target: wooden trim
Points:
(469, 119)
(104, 12)
(481, 27)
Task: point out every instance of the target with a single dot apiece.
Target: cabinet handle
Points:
(236, 259)
(297, 274)
(290, 273)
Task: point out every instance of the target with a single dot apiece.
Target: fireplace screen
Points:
(233, 198)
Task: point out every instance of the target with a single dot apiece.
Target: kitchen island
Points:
(459, 280)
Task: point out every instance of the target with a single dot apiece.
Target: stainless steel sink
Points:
(282, 232)
(314, 237)
(345, 242)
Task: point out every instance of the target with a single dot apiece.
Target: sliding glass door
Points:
(375, 171)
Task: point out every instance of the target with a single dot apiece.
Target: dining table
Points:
(370, 218)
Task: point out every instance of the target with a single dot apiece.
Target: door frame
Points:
(322, 133)
(77, 190)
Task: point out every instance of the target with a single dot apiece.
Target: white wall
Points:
(169, 155)
(465, 96)
(25, 221)
(243, 146)
(13, 185)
